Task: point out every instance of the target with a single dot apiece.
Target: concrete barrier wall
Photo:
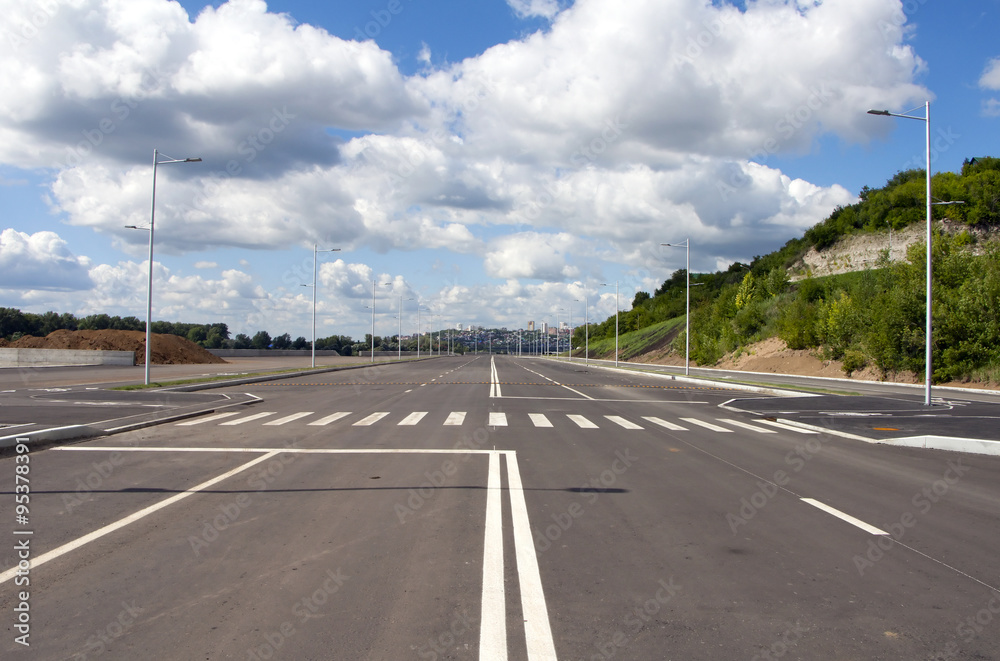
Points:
(264, 353)
(10, 357)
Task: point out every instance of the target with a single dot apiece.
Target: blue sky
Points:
(497, 160)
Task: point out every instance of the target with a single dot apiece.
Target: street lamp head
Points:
(196, 159)
(880, 112)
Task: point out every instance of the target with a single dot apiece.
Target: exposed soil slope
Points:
(167, 349)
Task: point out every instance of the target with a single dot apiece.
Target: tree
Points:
(640, 298)
(300, 343)
(283, 341)
(242, 341)
(261, 340)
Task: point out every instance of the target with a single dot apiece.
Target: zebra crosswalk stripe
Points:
(622, 422)
(737, 423)
(249, 418)
(413, 418)
(211, 418)
(330, 418)
(663, 423)
(581, 421)
(455, 418)
(707, 425)
(539, 420)
(371, 419)
(287, 418)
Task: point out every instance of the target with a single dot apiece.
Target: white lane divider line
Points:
(493, 630)
(581, 421)
(249, 418)
(413, 418)
(455, 419)
(131, 518)
(537, 630)
(539, 420)
(737, 423)
(211, 418)
(707, 425)
(845, 517)
(622, 422)
(663, 423)
(781, 425)
(371, 419)
(498, 419)
(494, 379)
(330, 418)
(287, 418)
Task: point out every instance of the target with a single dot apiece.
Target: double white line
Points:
(494, 379)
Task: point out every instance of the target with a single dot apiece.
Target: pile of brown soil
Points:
(167, 349)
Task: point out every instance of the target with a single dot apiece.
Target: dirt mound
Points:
(167, 349)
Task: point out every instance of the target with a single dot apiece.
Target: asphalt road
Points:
(493, 508)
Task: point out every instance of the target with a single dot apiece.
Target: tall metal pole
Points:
(149, 282)
(617, 307)
(313, 362)
(687, 311)
(928, 351)
(586, 326)
(373, 321)
(929, 302)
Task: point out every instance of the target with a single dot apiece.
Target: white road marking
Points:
(494, 379)
(493, 630)
(537, 630)
(131, 518)
(249, 418)
(211, 418)
(581, 421)
(498, 419)
(622, 422)
(663, 423)
(737, 423)
(781, 425)
(539, 420)
(371, 419)
(112, 448)
(287, 418)
(455, 418)
(845, 517)
(707, 425)
(413, 418)
(330, 418)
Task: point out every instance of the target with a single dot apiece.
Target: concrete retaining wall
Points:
(264, 353)
(10, 357)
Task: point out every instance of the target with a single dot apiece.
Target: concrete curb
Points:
(729, 385)
(194, 387)
(84, 432)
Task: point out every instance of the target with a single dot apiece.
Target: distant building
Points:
(531, 325)
(545, 327)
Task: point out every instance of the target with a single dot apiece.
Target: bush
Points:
(853, 361)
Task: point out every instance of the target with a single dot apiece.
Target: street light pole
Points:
(927, 349)
(316, 250)
(687, 306)
(604, 284)
(149, 281)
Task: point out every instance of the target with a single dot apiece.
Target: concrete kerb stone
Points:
(731, 385)
(194, 387)
(947, 443)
